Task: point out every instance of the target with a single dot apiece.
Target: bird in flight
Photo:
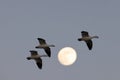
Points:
(35, 56)
(87, 39)
(45, 46)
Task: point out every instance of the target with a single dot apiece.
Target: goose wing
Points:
(84, 34)
(41, 41)
(48, 51)
(39, 62)
(33, 52)
(89, 44)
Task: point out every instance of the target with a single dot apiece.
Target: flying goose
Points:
(87, 39)
(35, 56)
(45, 46)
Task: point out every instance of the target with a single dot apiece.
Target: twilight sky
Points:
(60, 22)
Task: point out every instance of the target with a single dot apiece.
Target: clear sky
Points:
(60, 22)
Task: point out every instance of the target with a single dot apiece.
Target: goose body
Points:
(87, 39)
(45, 46)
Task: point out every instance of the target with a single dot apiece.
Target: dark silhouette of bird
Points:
(35, 56)
(87, 39)
(45, 46)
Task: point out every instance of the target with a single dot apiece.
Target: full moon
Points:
(67, 56)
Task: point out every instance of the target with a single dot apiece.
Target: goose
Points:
(35, 56)
(45, 46)
(87, 39)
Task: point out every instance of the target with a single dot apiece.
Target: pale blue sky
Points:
(60, 22)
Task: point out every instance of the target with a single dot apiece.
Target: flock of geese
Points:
(36, 56)
(43, 45)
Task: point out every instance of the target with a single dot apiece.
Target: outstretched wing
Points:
(39, 62)
(41, 41)
(85, 34)
(48, 51)
(33, 52)
(89, 44)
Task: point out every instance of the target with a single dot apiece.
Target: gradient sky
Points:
(60, 22)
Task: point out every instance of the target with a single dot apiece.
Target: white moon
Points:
(67, 56)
